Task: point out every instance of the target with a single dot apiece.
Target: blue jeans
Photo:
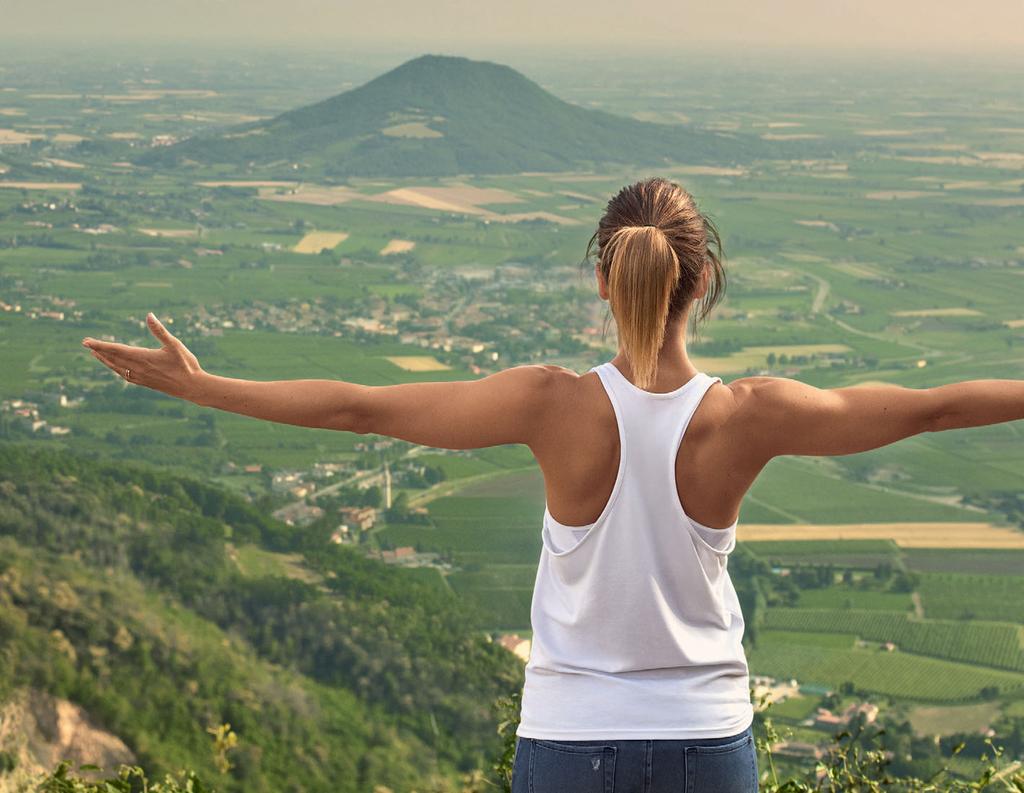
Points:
(690, 765)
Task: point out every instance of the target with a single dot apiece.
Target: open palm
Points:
(169, 369)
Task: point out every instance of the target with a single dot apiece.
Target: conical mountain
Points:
(441, 115)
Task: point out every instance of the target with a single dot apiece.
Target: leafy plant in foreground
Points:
(857, 763)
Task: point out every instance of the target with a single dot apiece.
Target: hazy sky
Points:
(471, 26)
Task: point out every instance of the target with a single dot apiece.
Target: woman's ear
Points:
(602, 286)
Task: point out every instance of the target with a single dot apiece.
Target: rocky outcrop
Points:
(37, 731)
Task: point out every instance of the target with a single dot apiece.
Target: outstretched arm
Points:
(780, 416)
(501, 408)
(462, 414)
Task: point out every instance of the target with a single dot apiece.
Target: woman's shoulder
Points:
(562, 377)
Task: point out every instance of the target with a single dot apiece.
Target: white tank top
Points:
(637, 629)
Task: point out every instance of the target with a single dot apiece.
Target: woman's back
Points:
(637, 630)
(712, 475)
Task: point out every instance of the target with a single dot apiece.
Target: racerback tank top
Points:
(637, 629)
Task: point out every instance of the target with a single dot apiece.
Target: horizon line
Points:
(479, 51)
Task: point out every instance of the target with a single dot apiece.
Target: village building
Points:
(298, 514)
(827, 720)
(359, 517)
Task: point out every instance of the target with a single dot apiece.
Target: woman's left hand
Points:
(172, 369)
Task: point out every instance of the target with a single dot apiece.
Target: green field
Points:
(897, 674)
(964, 596)
(993, 644)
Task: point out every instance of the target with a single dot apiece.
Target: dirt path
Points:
(452, 486)
(823, 289)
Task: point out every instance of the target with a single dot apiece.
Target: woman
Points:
(637, 679)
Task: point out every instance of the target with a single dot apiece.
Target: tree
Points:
(372, 496)
(399, 508)
(904, 581)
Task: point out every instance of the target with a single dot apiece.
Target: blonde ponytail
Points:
(643, 269)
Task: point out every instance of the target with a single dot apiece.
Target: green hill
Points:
(443, 115)
(120, 591)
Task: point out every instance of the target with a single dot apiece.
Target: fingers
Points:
(111, 348)
(157, 328)
(119, 359)
(122, 356)
(119, 370)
